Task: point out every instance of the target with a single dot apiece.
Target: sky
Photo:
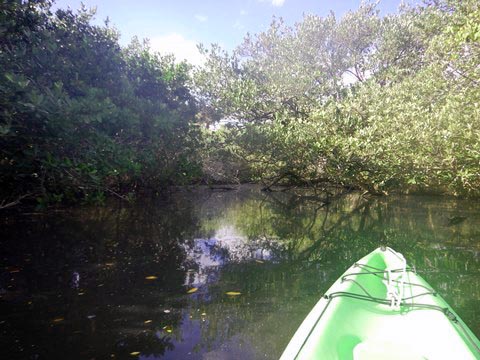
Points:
(177, 26)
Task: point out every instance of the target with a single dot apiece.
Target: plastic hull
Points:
(381, 309)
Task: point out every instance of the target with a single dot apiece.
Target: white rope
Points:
(395, 286)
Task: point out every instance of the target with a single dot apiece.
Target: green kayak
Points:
(381, 309)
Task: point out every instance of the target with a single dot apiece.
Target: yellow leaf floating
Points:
(147, 321)
(151, 277)
(57, 320)
(168, 328)
(233, 293)
(135, 353)
(192, 290)
(259, 261)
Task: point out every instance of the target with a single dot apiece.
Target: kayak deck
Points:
(381, 309)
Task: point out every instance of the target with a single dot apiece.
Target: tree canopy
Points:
(81, 116)
(378, 103)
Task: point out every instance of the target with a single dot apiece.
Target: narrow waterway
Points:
(212, 274)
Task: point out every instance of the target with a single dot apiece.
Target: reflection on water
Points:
(110, 282)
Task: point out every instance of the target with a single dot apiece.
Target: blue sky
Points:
(177, 26)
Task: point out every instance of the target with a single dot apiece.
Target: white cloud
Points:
(348, 78)
(201, 18)
(238, 25)
(274, 2)
(176, 44)
(243, 12)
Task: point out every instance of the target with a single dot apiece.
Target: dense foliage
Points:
(377, 103)
(80, 116)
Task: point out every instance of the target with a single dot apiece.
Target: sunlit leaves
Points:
(408, 123)
(406, 119)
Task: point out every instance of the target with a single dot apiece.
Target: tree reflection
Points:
(280, 251)
(111, 250)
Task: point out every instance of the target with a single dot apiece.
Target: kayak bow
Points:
(381, 309)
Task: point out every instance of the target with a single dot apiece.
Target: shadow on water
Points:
(113, 281)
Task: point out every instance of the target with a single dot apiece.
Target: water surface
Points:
(108, 282)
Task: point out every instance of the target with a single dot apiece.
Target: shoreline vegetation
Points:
(379, 104)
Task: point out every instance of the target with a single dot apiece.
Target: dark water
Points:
(73, 283)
